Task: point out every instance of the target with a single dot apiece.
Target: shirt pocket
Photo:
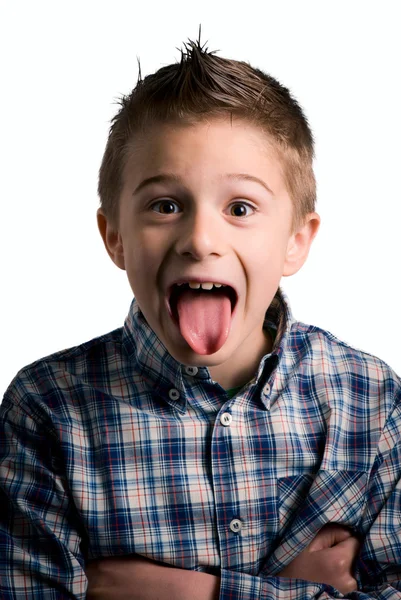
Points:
(308, 502)
(291, 493)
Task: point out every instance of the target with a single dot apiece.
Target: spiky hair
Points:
(202, 86)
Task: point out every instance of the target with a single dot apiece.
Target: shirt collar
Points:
(156, 365)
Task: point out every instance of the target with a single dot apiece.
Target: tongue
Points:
(204, 319)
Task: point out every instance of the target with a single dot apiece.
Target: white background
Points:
(63, 65)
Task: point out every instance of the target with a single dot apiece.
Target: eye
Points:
(168, 206)
(240, 210)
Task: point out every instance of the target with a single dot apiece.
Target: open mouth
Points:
(177, 290)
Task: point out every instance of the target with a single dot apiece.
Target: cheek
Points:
(267, 251)
(143, 255)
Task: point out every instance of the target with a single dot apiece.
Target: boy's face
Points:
(207, 224)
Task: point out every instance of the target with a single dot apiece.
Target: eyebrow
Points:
(173, 178)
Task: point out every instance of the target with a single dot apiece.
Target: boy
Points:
(213, 433)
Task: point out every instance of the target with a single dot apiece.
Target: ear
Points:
(111, 238)
(299, 244)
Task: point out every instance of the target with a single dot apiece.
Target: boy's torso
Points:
(171, 468)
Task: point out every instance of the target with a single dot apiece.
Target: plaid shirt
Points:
(113, 447)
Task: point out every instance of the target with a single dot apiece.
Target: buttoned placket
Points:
(230, 526)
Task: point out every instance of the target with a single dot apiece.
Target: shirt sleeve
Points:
(240, 586)
(39, 537)
(378, 567)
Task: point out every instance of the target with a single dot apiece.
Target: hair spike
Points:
(139, 70)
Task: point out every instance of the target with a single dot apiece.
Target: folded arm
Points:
(329, 558)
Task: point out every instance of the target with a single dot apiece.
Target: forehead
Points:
(206, 150)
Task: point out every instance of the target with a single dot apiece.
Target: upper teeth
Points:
(207, 285)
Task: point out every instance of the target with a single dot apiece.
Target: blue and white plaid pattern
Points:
(113, 447)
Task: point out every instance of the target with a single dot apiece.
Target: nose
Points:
(200, 235)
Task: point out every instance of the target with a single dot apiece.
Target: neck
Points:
(236, 372)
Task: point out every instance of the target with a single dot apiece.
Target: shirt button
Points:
(266, 389)
(236, 525)
(226, 419)
(174, 394)
(191, 370)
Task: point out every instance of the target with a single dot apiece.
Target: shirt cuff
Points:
(240, 586)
